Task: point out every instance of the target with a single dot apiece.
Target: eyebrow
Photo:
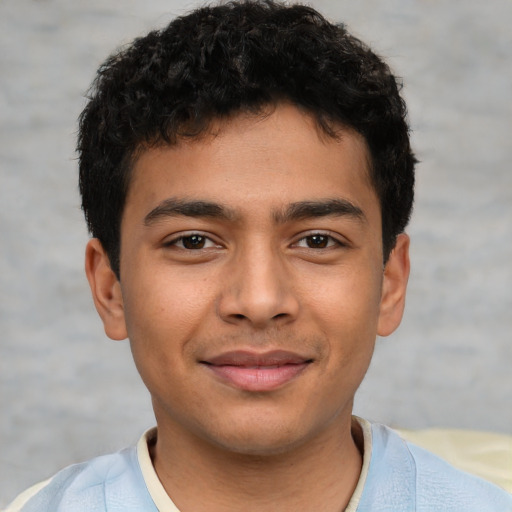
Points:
(321, 208)
(173, 207)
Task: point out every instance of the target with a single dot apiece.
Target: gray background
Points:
(67, 393)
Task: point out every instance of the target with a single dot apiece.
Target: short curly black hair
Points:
(240, 56)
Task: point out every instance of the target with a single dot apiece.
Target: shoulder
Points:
(411, 478)
(439, 484)
(484, 454)
(108, 483)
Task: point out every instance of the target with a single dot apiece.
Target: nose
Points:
(258, 290)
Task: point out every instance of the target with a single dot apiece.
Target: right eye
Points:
(192, 242)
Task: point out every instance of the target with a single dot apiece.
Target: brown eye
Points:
(193, 242)
(317, 241)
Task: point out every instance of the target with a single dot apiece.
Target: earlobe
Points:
(106, 290)
(394, 286)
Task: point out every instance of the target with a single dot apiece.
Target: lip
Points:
(251, 371)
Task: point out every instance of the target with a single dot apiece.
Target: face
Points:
(252, 283)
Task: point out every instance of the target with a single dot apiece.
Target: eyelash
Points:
(190, 236)
(329, 239)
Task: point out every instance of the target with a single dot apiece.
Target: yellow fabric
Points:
(484, 454)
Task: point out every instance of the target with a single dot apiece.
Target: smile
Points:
(257, 372)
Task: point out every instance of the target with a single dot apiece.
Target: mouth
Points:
(255, 372)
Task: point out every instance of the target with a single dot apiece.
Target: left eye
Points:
(317, 241)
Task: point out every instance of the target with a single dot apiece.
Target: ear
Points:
(106, 290)
(394, 285)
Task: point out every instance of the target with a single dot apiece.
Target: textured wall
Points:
(67, 393)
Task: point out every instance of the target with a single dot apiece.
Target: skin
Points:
(266, 275)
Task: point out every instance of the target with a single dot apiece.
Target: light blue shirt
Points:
(404, 478)
(401, 478)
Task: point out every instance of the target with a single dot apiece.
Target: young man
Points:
(247, 177)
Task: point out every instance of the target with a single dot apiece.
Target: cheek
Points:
(347, 298)
(346, 309)
(164, 310)
(161, 322)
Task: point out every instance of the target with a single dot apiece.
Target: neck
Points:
(320, 474)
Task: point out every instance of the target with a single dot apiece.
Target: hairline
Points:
(328, 129)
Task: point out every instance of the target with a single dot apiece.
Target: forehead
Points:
(269, 160)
